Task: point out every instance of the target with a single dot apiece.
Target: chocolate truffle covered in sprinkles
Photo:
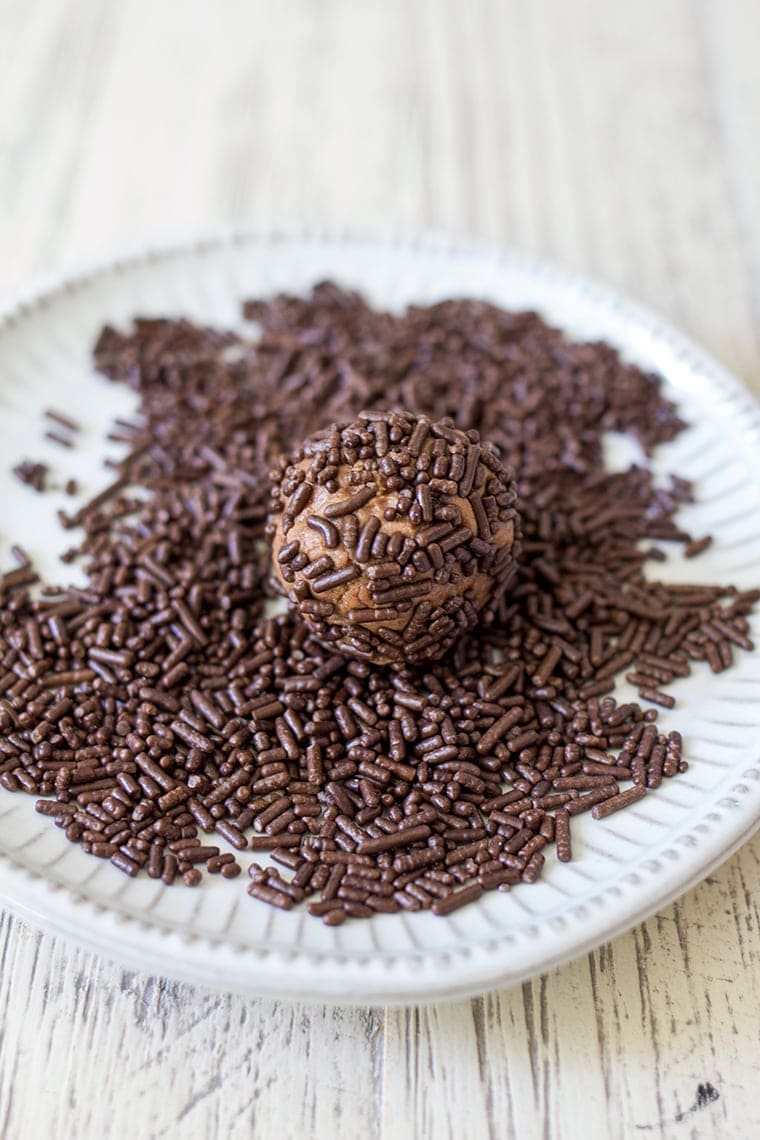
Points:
(170, 726)
(393, 535)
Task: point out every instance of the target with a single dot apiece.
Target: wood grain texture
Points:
(619, 138)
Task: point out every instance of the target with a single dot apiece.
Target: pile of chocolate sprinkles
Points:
(159, 708)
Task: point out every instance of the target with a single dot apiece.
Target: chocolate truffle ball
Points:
(392, 535)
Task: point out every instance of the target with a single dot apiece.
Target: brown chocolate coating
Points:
(392, 535)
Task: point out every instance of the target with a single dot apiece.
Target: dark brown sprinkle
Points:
(301, 498)
(562, 836)
(33, 474)
(232, 834)
(157, 708)
(455, 899)
(169, 871)
(125, 863)
(347, 506)
(272, 842)
(59, 438)
(328, 530)
(61, 419)
(657, 697)
(334, 578)
(617, 802)
(588, 800)
(692, 549)
(400, 838)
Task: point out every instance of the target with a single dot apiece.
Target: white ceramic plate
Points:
(624, 869)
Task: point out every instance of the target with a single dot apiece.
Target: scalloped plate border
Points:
(344, 978)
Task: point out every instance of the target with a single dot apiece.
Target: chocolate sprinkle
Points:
(159, 708)
(33, 474)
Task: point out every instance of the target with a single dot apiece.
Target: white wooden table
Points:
(619, 137)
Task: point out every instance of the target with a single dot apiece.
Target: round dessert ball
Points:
(393, 535)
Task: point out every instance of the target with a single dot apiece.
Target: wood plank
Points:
(89, 1049)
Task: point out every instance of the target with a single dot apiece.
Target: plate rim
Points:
(28, 892)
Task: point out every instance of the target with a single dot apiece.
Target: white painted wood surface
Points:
(619, 137)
